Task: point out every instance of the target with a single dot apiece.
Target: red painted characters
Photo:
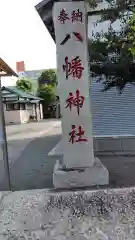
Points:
(77, 135)
(77, 16)
(73, 68)
(75, 101)
(63, 16)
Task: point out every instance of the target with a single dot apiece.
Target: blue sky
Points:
(24, 36)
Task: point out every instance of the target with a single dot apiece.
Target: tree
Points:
(131, 34)
(24, 84)
(112, 53)
(47, 93)
(48, 76)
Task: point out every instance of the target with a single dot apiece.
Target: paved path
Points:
(28, 130)
(23, 147)
(20, 135)
(33, 168)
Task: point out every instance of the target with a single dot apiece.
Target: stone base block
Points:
(57, 151)
(83, 177)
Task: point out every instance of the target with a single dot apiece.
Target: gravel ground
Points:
(45, 215)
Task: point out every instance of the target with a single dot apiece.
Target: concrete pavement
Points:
(19, 136)
(33, 167)
(21, 131)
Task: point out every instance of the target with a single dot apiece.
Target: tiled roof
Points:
(20, 93)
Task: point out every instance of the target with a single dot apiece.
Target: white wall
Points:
(18, 116)
(37, 112)
(12, 117)
(31, 109)
(41, 110)
(24, 116)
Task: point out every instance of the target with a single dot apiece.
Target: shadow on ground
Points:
(121, 170)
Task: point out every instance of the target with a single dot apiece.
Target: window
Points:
(12, 106)
(16, 106)
(22, 106)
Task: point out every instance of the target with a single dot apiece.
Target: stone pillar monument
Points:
(79, 168)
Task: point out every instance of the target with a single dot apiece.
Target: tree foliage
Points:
(47, 93)
(48, 76)
(47, 86)
(131, 35)
(112, 52)
(24, 84)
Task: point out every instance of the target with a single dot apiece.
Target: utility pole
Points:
(4, 142)
(5, 71)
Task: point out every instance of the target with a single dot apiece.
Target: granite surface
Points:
(78, 215)
(66, 178)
